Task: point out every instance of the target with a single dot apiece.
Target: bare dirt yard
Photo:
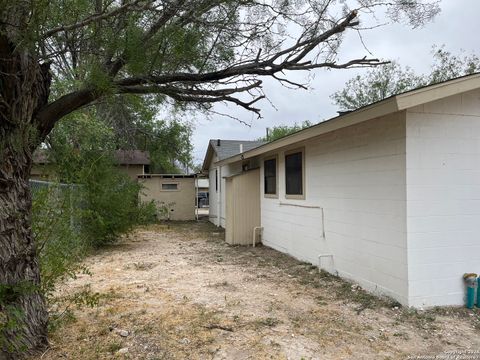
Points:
(180, 292)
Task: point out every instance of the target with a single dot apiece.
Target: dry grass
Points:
(182, 293)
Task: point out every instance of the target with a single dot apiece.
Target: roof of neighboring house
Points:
(167, 176)
(122, 157)
(384, 107)
(227, 148)
(132, 157)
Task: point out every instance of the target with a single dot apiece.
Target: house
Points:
(131, 162)
(387, 196)
(174, 194)
(202, 186)
(219, 150)
(42, 168)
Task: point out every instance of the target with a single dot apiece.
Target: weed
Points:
(269, 322)
(114, 347)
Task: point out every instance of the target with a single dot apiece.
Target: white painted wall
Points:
(443, 198)
(212, 193)
(215, 216)
(357, 175)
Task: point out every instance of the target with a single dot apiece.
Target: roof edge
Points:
(384, 107)
(381, 108)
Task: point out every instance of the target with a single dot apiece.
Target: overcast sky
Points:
(457, 27)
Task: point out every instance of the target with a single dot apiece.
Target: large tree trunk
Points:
(24, 86)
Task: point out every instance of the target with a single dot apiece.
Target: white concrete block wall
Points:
(443, 198)
(357, 175)
(213, 194)
(215, 216)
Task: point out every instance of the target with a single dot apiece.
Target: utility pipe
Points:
(255, 231)
(320, 260)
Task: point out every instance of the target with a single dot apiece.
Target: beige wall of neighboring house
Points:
(41, 172)
(176, 190)
(131, 170)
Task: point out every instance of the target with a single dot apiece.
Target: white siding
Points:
(443, 198)
(219, 193)
(357, 175)
(212, 194)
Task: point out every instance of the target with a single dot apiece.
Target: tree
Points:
(391, 79)
(135, 124)
(57, 57)
(280, 131)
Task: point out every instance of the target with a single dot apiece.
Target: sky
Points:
(456, 27)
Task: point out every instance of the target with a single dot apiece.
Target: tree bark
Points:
(24, 89)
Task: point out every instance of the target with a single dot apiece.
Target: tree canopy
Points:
(280, 131)
(196, 52)
(393, 78)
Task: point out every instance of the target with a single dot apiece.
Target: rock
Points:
(122, 351)
(184, 341)
(122, 333)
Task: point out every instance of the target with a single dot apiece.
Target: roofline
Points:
(166, 176)
(208, 157)
(384, 107)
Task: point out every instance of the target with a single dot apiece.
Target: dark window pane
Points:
(293, 174)
(216, 180)
(270, 176)
(169, 186)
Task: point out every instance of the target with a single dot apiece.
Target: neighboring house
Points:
(42, 169)
(387, 195)
(131, 162)
(174, 193)
(219, 150)
(202, 186)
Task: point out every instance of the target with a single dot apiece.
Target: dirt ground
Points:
(180, 292)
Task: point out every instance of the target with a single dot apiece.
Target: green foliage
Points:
(135, 125)
(377, 84)
(280, 131)
(391, 79)
(448, 66)
(111, 199)
(56, 227)
(97, 207)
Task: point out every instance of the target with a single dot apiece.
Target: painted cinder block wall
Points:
(357, 175)
(215, 216)
(184, 197)
(443, 198)
(213, 193)
(401, 202)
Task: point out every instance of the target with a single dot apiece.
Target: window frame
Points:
(169, 183)
(290, 152)
(271, 157)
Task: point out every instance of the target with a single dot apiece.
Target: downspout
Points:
(254, 240)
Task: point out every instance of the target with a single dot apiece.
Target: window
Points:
(270, 176)
(216, 180)
(172, 186)
(294, 174)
